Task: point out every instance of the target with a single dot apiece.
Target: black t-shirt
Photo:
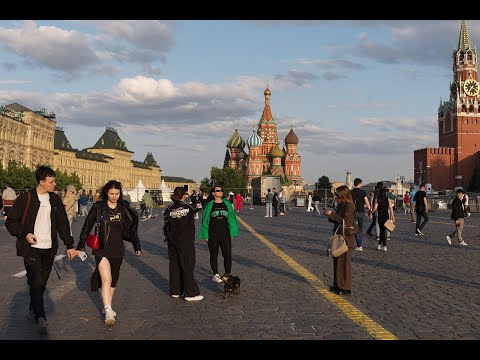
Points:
(358, 196)
(114, 247)
(218, 227)
(418, 199)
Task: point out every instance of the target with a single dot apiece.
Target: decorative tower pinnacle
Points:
(464, 39)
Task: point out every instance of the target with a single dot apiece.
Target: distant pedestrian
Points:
(316, 203)
(147, 199)
(8, 198)
(458, 216)
(283, 200)
(466, 205)
(275, 202)
(179, 231)
(421, 209)
(384, 209)
(310, 203)
(406, 202)
(360, 200)
(413, 215)
(269, 203)
(238, 202)
(70, 202)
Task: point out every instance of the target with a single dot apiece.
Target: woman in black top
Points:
(383, 206)
(118, 222)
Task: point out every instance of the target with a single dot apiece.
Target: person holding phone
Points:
(118, 222)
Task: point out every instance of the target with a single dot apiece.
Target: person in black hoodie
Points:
(35, 219)
(117, 222)
(179, 231)
(458, 216)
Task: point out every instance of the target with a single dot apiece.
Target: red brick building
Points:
(457, 157)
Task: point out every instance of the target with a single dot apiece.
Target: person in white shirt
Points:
(35, 219)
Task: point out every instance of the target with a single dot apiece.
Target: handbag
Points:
(352, 230)
(338, 245)
(389, 225)
(93, 240)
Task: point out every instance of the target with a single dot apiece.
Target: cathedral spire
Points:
(464, 40)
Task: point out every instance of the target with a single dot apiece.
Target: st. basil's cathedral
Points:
(265, 158)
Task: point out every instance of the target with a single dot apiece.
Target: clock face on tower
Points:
(471, 87)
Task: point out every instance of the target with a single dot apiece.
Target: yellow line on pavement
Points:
(373, 328)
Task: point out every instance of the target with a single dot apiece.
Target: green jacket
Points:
(232, 220)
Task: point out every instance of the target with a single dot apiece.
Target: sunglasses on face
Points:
(218, 190)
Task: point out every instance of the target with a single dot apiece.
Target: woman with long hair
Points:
(342, 268)
(383, 206)
(117, 222)
(179, 231)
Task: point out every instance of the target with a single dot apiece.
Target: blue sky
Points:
(360, 95)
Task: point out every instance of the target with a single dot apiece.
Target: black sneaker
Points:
(419, 232)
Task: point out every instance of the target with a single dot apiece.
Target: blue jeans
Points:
(359, 217)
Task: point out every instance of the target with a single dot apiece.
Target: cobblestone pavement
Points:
(422, 288)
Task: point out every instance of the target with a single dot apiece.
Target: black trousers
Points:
(38, 264)
(182, 263)
(275, 209)
(226, 246)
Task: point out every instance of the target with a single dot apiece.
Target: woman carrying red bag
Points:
(118, 222)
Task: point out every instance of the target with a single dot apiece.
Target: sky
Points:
(360, 95)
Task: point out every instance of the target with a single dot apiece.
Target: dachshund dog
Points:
(232, 285)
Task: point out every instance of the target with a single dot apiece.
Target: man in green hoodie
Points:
(219, 227)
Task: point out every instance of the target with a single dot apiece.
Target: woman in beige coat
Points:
(70, 202)
(342, 268)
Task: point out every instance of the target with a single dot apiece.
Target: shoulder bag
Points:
(338, 245)
(93, 239)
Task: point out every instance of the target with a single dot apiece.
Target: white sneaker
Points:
(282, 214)
(379, 247)
(194, 298)
(462, 243)
(217, 278)
(113, 312)
(359, 248)
(384, 248)
(175, 296)
(419, 232)
(266, 216)
(449, 240)
(109, 317)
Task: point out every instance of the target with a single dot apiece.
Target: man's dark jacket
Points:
(58, 217)
(458, 210)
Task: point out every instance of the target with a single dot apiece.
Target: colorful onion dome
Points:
(254, 140)
(291, 138)
(236, 141)
(276, 152)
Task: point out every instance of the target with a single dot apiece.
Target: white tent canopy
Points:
(166, 192)
(136, 194)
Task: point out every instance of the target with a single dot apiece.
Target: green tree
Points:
(229, 179)
(323, 183)
(18, 176)
(63, 180)
(206, 184)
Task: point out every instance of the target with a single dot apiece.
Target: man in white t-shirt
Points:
(35, 219)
